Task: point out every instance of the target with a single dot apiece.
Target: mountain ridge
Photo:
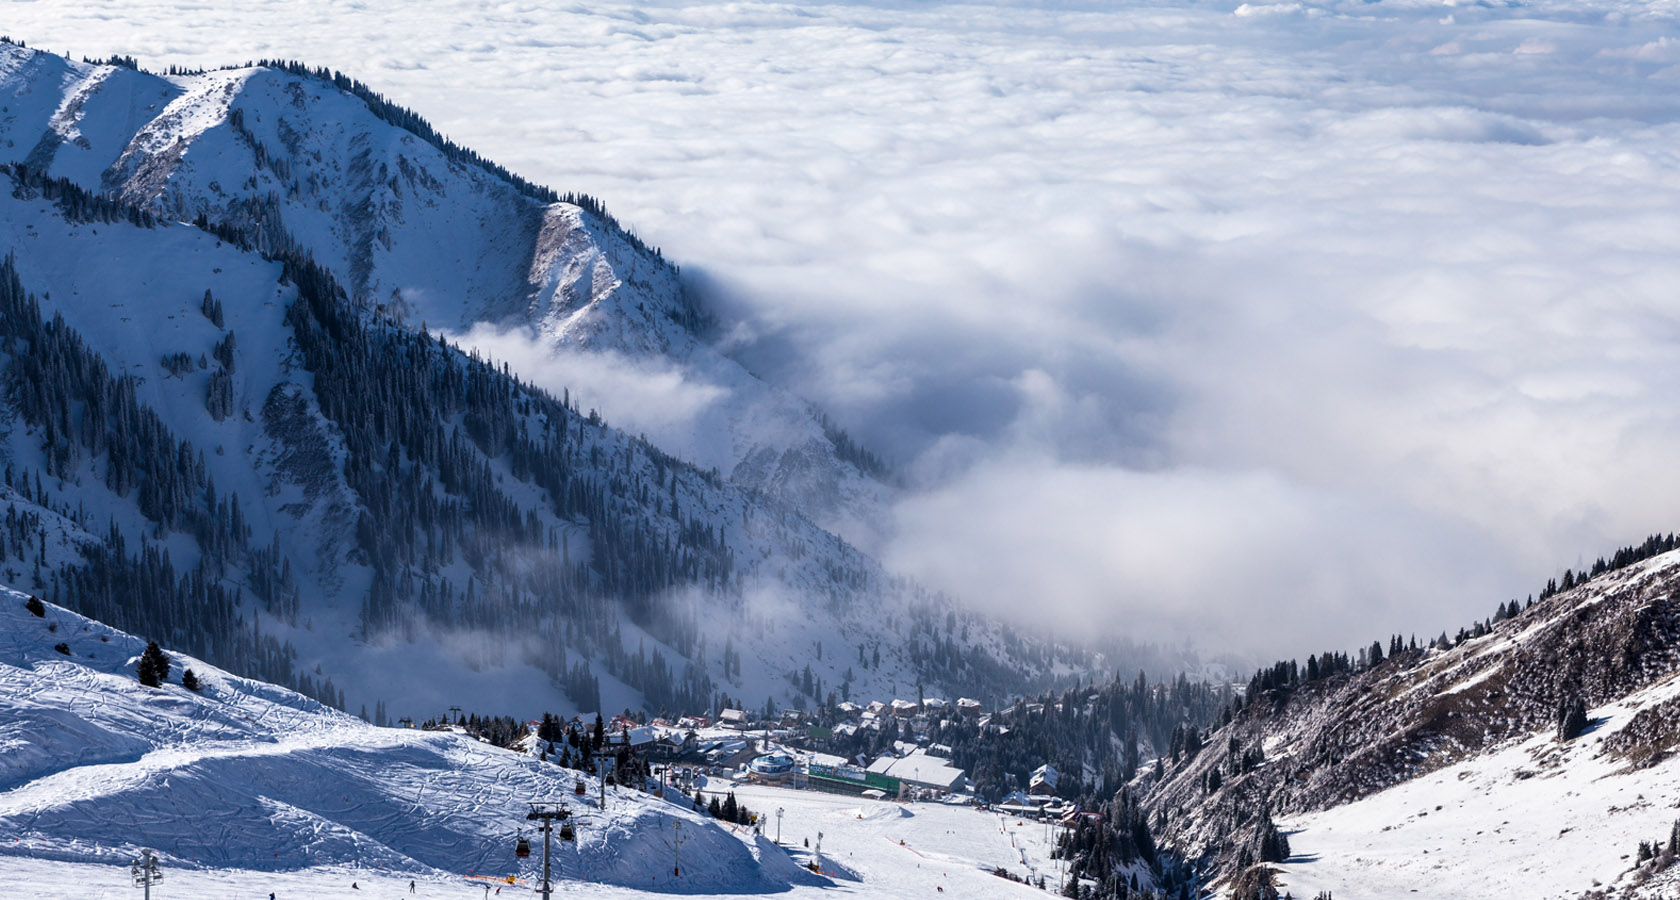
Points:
(420, 229)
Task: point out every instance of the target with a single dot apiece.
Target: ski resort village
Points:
(1195, 450)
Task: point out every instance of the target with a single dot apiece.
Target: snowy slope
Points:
(945, 852)
(1441, 770)
(244, 774)
(245, 788)
(1534, 819)
(424, 236)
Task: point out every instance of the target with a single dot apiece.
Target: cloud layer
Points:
(1278, 325)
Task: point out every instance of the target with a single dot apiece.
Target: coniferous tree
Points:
(189, 680)
(212, 309)
(1571, 718)
(1271, 845)
(153, 668)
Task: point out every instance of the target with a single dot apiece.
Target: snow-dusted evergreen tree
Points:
(1571, 718)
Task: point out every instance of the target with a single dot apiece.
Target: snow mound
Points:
(876, 811)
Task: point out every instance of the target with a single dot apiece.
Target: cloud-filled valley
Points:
(1270, 326)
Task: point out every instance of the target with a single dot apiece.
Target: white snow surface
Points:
(245, 775)
(1537, 819)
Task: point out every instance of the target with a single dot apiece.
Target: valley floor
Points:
(870, 849)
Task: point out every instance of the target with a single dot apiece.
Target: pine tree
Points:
(153, 669)
(212, 308)
(1271, 845)
(190, 682)
(1571, 718)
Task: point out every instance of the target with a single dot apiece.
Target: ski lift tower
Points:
(548, 814)
(145, 871)
(676, 847)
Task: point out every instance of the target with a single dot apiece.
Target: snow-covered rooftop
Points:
(922, 770)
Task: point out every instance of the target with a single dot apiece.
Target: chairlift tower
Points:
(547, 814)
(676, 848)
(145, 871)
(601, 776)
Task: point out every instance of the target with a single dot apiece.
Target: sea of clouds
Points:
(1274, 326)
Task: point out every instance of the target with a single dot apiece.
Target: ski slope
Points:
(946, 851)
(244, 775)
(244, 788)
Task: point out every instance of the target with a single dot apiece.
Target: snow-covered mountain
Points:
(425, 232)
(1441, 768)
(418, 524)
(213, 442)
